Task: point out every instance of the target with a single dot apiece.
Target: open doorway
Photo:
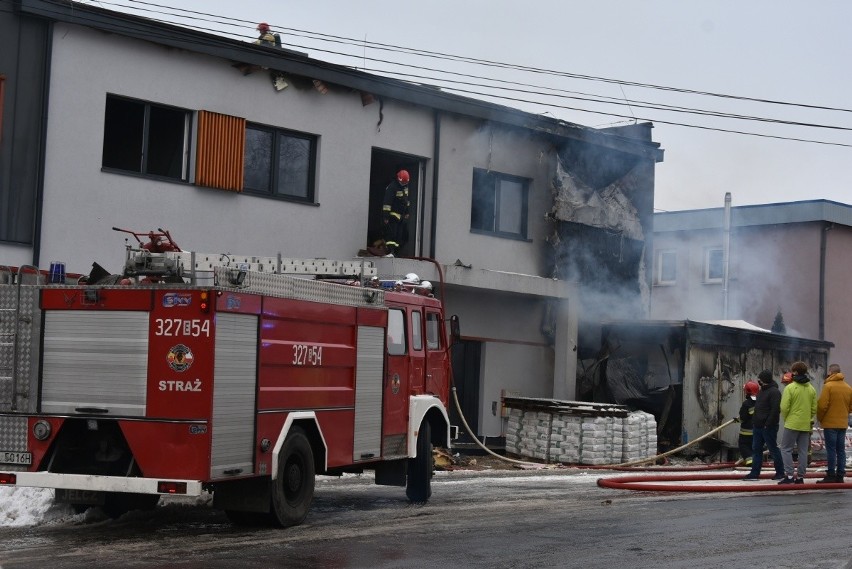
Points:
(466, 361)
(384, 165)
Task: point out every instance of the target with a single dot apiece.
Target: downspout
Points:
(436, 153)
(42, 152)
(823, 242)
(727, 253)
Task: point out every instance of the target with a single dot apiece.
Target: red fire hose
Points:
(675, 483)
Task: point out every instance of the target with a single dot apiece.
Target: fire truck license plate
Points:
(15, 457)
(83, 497)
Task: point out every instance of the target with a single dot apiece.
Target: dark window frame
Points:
(487, 222)
(272, 190)
(144, 168)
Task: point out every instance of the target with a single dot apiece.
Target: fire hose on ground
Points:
(667, 482)
(600, 467)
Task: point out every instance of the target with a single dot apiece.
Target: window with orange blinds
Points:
(221, 149)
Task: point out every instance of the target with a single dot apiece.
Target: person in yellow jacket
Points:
(798, 409)
(833, 409)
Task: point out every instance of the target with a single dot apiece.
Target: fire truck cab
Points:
(196, 373)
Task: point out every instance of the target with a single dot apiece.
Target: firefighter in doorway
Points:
(395, 212)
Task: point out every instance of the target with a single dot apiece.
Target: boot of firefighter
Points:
(830, 477)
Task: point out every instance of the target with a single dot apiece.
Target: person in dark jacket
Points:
(767, 412)
(395, 212)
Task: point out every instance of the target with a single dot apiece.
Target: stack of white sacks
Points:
(579, 439)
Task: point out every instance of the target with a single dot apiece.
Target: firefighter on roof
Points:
(395, 212)
(266, 37)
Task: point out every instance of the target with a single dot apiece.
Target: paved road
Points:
(500, 520)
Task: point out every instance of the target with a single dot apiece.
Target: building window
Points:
(499, 204)
(146, 138)
(714, 265)
(666, 273)
(279, 163)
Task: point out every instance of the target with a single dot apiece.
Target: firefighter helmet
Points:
(751, 388)
(411, 278)
(403, 177)
(263, 27)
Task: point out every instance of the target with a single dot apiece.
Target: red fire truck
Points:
(191, 373)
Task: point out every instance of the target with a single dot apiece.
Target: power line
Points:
(587, 97)
(441, 55)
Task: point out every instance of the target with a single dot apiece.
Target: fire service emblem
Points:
(395, 384)
(179, 358)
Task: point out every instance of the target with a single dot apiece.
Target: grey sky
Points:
(780, 50)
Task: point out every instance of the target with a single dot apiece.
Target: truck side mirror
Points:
(455, 330)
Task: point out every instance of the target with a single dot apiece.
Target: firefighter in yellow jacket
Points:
(395, 212)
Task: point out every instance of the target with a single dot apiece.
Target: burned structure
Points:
(690, 374)
(603, 204)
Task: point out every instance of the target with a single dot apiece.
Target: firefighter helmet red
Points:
(403, 177)
(751, 388)
(263, 27)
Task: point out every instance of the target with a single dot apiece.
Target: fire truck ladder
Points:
(195, 266)
(303, 279)
(10, 322)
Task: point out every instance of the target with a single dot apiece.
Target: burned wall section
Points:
(603, 202)
(690, 375)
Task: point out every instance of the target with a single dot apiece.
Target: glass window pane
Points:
(416, 331)
(433, 337)
(294, 159)
(396, 333)
(482, 204)
(166, 142)
(124, 123)
(257, 170)
(715, 264)
(668, 267)
(510, 216)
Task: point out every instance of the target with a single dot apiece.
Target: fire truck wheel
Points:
(293, 490)
(419, 484)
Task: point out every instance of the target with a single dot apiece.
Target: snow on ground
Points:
(29, 507)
